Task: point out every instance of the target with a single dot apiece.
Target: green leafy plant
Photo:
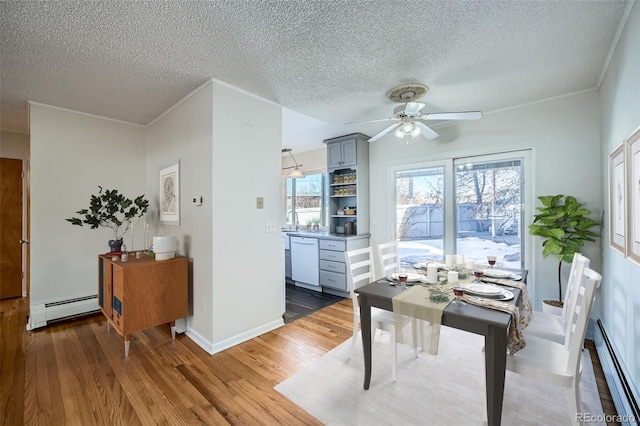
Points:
(110, 209)
(565, 225)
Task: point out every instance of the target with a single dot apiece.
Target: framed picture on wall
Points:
(170, 194)
(633, 195)
(617, 200)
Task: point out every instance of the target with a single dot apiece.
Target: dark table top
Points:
(475, 319)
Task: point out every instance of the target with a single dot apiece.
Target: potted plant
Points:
(565, 225)
(112, 210)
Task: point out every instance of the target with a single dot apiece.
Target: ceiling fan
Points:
(408, 119)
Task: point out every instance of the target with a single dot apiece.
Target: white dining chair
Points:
(554, 327)
(560, 363)
(388, 258)
(360, 272)
(389, 262)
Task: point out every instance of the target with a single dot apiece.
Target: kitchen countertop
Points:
(324, 235)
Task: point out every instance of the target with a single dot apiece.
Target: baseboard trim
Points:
(56, 310)
(213, 348)
(623, 391)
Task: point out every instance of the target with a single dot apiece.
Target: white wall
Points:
(71, 154)
(14, 145)
(620, 115)
(185, 134)
(248, 292)
(563, 134)
(236, 288)
(313, 162)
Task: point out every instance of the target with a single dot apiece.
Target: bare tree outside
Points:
(488, 205)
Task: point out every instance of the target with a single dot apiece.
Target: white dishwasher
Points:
(305, 262)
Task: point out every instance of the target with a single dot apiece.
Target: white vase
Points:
(551, 309)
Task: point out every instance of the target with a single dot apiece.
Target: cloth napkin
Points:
(515, 340)
(524, 304)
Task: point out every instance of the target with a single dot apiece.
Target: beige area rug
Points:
(443, 389)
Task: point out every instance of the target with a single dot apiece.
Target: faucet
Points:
(294, 217)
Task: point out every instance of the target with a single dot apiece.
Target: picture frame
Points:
(632, 144)
(169, 191)
(618, 200)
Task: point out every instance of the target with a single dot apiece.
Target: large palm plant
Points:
(564, 224)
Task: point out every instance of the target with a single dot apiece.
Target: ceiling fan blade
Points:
(412, 108)
(371, 121)
(426, 131)
(468, 115)
(384, 132)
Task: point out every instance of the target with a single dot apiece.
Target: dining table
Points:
(490, 323)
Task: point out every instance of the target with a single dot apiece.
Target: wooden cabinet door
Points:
(10, 228)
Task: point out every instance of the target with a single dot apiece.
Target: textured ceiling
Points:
(331, 61)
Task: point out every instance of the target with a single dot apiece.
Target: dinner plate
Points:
(497, 273)
(410, 277)
(483, 289)
(505, 295)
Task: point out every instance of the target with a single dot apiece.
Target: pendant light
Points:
(296, 172)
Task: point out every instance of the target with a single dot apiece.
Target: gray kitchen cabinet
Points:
(349, 184)
(342, 153)
(333, 278)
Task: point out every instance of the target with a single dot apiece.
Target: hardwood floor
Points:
(74, 373)
(301, 302)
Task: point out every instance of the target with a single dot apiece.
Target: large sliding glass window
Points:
(470, 206)
(489, 210)
(420, 213)
(306, 199)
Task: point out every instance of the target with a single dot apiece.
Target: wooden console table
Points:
(142, 293)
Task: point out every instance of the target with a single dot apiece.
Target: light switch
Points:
(260, 202)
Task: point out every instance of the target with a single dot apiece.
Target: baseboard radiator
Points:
(623, 389)
(42, 314)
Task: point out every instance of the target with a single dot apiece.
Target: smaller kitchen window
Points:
(306, 199)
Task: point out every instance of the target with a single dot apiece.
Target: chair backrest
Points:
(578, 266)
(388, 258)
(574, 338)
(359, 271)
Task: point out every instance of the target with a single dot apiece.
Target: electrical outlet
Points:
(197, 200)
(270, 226)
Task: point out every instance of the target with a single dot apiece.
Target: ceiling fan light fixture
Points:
(399, 133)
(416, 131)
(407, 128)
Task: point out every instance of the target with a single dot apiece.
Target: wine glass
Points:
(478, 273)
(403, 280)
(458, 292)
(491, 260)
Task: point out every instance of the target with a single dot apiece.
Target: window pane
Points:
(420, 215)
(488, 211)
(307, 198)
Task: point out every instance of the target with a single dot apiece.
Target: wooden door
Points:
(10, 228)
